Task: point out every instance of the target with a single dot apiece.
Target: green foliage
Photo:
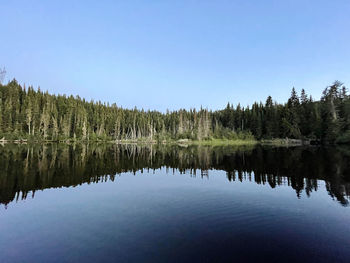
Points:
(31, 114)
(344, 138)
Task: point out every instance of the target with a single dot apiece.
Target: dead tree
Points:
(2, 75)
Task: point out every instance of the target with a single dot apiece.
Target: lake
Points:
(161, 203)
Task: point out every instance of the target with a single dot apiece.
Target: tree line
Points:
(28, 113)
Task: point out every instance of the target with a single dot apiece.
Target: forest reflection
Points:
(28, 168)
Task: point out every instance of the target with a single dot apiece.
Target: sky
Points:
(176, 54)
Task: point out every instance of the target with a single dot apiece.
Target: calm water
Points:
(103, 203)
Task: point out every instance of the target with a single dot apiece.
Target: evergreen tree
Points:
(33, 114)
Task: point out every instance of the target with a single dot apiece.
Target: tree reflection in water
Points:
(27, 168)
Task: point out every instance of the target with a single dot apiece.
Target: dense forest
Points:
(30, 114)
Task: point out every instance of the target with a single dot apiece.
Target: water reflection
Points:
(25, 168)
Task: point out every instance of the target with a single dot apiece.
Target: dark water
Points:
(103, 203)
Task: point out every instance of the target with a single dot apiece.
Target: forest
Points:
(31, 114)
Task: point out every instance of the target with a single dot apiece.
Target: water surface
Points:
(109, 203)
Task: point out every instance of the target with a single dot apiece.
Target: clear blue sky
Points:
(176, 54)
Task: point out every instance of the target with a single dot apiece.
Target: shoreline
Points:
(181, 142)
